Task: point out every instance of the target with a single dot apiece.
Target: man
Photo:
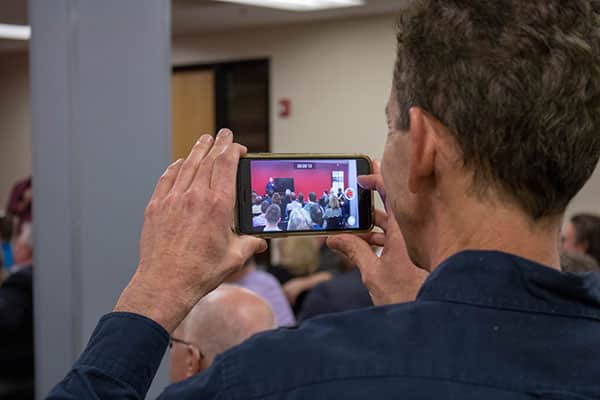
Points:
(493, 126)
(343, 292)
(266, 286)
(272, 218)
(16, 324)
(312, 201)
(223, 319)
(582, 235)
(270, 188)
(293, 204)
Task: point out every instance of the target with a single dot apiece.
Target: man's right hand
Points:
(391, 278)
(187, 246)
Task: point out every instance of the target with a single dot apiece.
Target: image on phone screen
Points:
(304, 195)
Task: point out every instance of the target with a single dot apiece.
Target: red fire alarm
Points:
(284, 108)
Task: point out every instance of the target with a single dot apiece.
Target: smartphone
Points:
(282, 195)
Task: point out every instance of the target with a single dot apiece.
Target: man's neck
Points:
(489, 227)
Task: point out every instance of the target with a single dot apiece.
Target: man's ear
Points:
(423, 148)
(194, 361)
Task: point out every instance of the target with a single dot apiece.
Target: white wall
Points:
(15, 124)
(337, 75)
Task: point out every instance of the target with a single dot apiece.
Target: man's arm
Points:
(187, 249)
(119, 361)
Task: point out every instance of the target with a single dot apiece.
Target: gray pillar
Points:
(101, 137)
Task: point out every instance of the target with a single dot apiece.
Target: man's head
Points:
(496, 102)
(273, 215)
(316, 214)
(312, 196)
(582, 235)
(221, 320)
(264, 206)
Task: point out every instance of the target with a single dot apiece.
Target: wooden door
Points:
(193, 108)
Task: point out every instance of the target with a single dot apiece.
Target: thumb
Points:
(355, 248)
(249, 246)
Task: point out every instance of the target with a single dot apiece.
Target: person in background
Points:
(16, 324)
(292, 205)
(333, 215)
(298, 268)
(312, 201)
(299, 220)
(273, 218)
(582, 235)
(276, 200)
(266, 286)
(571, 261)
(324, 200)
(6, 233)
(20, 203)
(270, 188)
(316, 216)
(261, 220)
(301, 199)
(223, 319)
(344, 292)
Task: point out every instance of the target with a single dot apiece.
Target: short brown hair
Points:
(517, 83)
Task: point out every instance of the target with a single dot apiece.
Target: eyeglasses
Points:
(173, 340)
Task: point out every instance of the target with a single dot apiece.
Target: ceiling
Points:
(197, 16)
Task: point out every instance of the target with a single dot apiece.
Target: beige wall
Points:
(337, 75)
(15, 122)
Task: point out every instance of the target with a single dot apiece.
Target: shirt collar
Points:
(500, 280)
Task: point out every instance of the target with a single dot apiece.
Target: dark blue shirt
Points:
(485, 325)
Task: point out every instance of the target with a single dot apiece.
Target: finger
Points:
(376, 167)
(204, 173)
(225, 172)
(191, 163)
(249, 246)
(356, 249)
(376, 239)
(381, 219)
(166, 181)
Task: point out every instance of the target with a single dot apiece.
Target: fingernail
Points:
(205, 139)
(223, 133)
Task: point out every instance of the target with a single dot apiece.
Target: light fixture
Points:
(17, 32)
(299, 5)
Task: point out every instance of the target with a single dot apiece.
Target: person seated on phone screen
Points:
(222, 320)
(293, 204)
(333, 215)
(261, 220)
(316, 215)
(273, 218)
(312, 201)
(492, 129)
(299, 221)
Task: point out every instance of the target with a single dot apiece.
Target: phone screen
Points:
(306, 195)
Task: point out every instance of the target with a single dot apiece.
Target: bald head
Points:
(221, 320)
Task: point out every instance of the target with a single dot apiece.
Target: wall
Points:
(337, 75)
(15, 124)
